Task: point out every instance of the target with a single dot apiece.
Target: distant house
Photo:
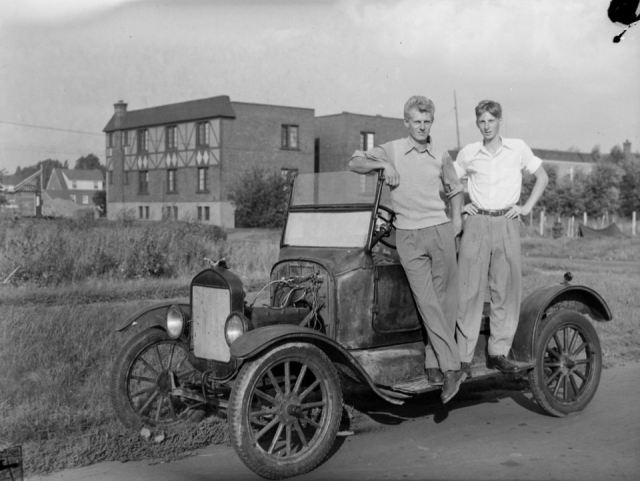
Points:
(180, 160)
(22, 194)
(69, 191)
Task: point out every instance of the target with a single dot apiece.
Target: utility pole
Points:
(455, 108)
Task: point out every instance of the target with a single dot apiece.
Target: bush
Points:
(54, 252)
(260, 198)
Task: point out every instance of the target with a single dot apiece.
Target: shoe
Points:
(466, 368)
(502, 364)
(452, 381)
(434, 376)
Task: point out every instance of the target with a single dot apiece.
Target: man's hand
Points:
(457, 226)
(470, 209)
(391, 175)
(515, 212)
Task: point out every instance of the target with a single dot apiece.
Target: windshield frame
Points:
(372, 208)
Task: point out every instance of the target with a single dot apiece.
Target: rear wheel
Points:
(284, 410)
(568, 364)
(144, 374)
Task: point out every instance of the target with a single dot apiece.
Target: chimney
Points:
(120, 112)
(626, 149)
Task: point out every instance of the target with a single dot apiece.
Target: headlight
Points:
(175, 322)
(235, 327)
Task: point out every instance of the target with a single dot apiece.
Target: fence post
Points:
(542, 223)
(584, 219)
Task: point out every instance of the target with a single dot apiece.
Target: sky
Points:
(562, 82)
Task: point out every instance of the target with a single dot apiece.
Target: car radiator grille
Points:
(210, 309)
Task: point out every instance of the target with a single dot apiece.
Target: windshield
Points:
(331, 209)
(335, 189)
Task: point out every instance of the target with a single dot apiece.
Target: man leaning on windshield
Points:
(417, 172)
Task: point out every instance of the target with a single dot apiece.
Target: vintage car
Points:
(338, 308)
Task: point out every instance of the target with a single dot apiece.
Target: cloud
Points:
(47, 11)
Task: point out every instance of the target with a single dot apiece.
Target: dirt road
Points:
(489, 432)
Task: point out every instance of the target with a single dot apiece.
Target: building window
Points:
(202, 179)
(146, 211)
(110, 177)
(110, 139)
(171, 181)
(143, 182)
(290, 137)
(140, 212)
(202, 134)
(203, 212)
(125, 137)
(125, 178)
(367, 140)
(175, 212)
(170, 137)
(85, 199)
(143, 140)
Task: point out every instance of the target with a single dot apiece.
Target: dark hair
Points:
(423, 104)
(490, 106)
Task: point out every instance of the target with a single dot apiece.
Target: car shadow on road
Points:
(365, 411)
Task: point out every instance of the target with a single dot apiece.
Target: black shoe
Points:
(502, 364)
(466, 368)
(434, 376)
(452, 381)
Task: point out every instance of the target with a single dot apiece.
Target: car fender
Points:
(154, 315)
(255, 342)
(535, 305)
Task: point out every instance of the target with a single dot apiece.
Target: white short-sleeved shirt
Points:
(495, 180)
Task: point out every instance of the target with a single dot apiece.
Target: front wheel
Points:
(285, 410)
(144, 376)
(568, 364)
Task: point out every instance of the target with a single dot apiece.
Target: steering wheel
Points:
(384, 226)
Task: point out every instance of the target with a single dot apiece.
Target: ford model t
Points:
(339, 307)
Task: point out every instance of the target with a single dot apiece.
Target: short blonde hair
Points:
(423, 104)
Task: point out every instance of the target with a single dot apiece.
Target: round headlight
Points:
(234, 327)
(175, 322)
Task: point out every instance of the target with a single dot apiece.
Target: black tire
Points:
(285, 410)
(141, 381)
(568, 364)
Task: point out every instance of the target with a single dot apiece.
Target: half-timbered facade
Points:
(180, 160)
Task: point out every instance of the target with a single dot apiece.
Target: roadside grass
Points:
(57, 344)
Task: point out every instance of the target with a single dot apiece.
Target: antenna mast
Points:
(455, 108)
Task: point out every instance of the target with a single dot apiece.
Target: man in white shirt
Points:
(490, 246)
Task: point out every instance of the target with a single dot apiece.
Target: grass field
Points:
(57, 344)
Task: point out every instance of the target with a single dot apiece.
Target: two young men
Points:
(446, 295)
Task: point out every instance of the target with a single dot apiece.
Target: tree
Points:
(260, 198)
(630, 188)
(616, 155)
(601, 190)
(88, 162)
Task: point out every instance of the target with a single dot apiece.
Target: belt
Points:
(493, 213)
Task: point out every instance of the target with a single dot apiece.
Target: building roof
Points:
(191, 110)
(14, 183)
(83, 174)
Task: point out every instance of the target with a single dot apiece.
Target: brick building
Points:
(179, 160)
(339, 135)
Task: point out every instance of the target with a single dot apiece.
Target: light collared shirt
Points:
(495, 180)
(427, 179)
